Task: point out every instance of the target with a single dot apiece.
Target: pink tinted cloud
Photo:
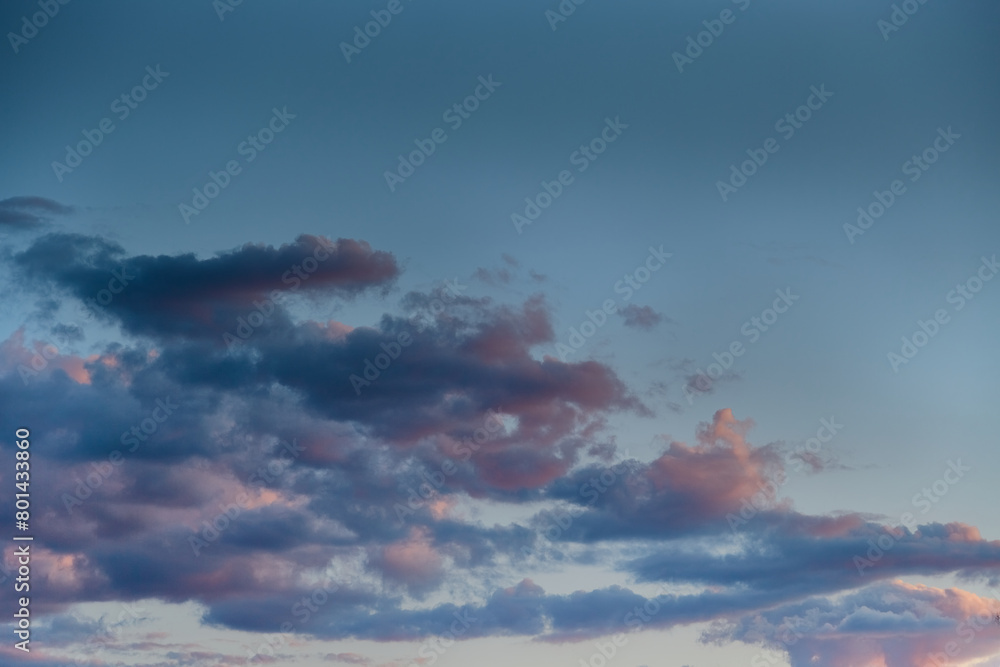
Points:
(890, 624)
(412, 561)
(17, 357)
(718, 473)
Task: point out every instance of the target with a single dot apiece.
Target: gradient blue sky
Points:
(656, 185)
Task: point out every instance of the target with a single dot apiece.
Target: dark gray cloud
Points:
(186, 298)
(29, 212)
(640, 317)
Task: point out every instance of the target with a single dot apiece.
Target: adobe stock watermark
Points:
(938, 489)
(113, 634)
(713, 30)
(435, 647)
(914, 168)
(900, 14)
(635, 620)
(135, 436)
(293, 277)
(47, 352)
(784, 633)
(963, 293)
(30, 27)
(753, 505)
(93, 306)
(250, 148)
(301, 610)
(753, 329)
(223, 7)
(38, 362)
(381, 18)
(392, 350)
(581, 158)
(122, 106)
(812, 446)
(562, 12)
(455, 116)
(560, 520)
(787, 126)
(119, 280)
(933, 493)
(228, 514)
(434, 481)
(967, 630)
(629, 284)
(606, 651)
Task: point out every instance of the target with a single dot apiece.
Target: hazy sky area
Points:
(587, 333)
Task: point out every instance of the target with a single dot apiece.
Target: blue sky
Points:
(643, 139)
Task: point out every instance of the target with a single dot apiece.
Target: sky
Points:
(402, 333)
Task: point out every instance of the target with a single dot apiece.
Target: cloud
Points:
(29, 212)
(469, 410)
(186, 298)
(349, 658)
(412, 561)
(494, 277)
(685, 489)
(890, 623)
(640, 317)
(470, 359)
(700, 383)
(27, 361)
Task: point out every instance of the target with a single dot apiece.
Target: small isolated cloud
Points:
(349, 658)
(27, 212)
(640, 317)
(700, 383)
(493, 277)
(815, 463)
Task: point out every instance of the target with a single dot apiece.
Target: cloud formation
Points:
(891, 623)
(183, 468)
